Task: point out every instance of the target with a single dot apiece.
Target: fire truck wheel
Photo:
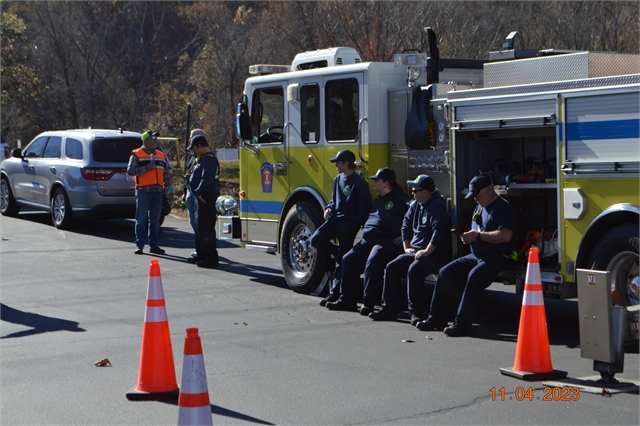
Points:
(302, 265)
(617, 252)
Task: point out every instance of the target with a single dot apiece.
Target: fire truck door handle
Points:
(362, 120)
(280, 168)
(285, 133)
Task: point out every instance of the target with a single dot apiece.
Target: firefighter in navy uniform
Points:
(344, 216)
(427, 247)
(150, 169)
(205, 185)
(381, 243)
(460, 282)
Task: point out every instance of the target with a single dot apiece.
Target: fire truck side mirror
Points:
(243, 123)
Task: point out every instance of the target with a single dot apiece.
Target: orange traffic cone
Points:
(194, 407)
(533, 355)
(157, 375)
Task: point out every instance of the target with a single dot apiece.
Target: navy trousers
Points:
(323, 238)
(415, 271)
(372, 257)
(460, 283)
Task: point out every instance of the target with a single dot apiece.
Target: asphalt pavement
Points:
(70, 298)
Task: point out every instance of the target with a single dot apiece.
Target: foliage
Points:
(137, 64)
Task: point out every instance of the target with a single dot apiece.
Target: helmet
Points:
(226, 205)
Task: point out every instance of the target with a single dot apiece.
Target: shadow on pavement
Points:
(220, 411)
(38, 323)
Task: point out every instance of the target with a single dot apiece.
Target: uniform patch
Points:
(266, 171)
(424, 218)
(389, 205)
(346, 191)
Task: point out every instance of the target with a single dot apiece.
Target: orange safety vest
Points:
(150, 177)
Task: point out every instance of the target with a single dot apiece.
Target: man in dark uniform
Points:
(492, 240)
(380, 243)
(344, 216)
(426, 239)
(204, 183)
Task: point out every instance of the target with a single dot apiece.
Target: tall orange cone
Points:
(194, 407)
(533, 355)
(157, 374)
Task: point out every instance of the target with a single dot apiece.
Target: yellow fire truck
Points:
(557, 131)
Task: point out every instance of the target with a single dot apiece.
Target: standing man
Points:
(380, 243)
(344, 216)
(150, 169)
(460, 282)
(187, 195)
(426, 240)
(205, 186)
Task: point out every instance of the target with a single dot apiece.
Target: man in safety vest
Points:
(204, 184)
(150, 168)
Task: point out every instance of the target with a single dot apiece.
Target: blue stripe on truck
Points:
(265, 207)
(597, 130)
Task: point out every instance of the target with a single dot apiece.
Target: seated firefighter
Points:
(426, 240)
(380, 243)
(459, 283)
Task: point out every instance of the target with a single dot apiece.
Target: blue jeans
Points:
(192, 204)
(148, 209)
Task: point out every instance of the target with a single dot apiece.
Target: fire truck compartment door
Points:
(504, 113)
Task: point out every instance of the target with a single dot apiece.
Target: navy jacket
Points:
(350, 199)
(386, 217)
(428, 223)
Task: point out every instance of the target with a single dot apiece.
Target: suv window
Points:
(73, 149)
(114, 150)
(53, 148)
(35, 148)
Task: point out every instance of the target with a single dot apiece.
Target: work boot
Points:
(341, 305)
(384, 314)
(330, 298)
(365, 310)
(431, 324)
(459, 330)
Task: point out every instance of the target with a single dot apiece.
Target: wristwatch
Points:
(478, 236)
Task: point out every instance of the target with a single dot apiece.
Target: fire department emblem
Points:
(266, 172)
(346, 191)
(389, 205)
(424, 218)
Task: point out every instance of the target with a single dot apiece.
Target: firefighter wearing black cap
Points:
(460, 282)
(426, 240)
(344, 216)
(381, 243)
(205, 186)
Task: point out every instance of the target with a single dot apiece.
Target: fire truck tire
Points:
(617, 252)
(302, 265)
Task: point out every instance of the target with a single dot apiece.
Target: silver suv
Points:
(72, 174)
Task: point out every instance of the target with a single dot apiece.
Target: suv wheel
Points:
(61, 210)
(8, 206)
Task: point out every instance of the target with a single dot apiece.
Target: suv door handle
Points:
(53, 169)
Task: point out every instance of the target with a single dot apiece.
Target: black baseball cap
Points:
(424, 182)
(197, 141)
(477, 184)
(385, 173)
(345, 156)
